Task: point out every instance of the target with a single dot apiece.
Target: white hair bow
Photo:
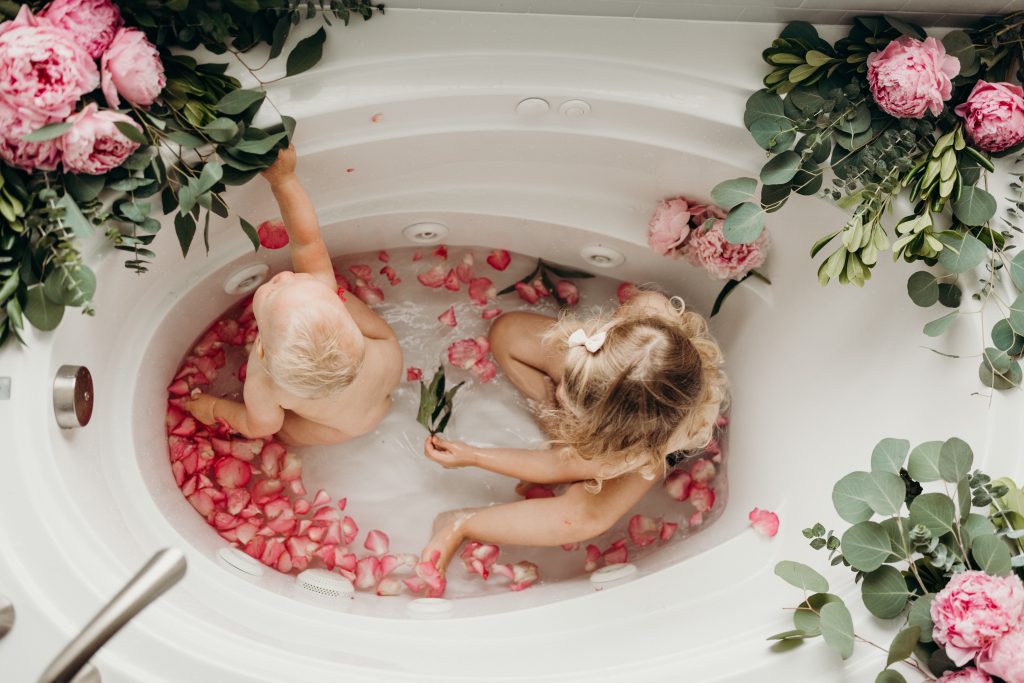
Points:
(592, 343)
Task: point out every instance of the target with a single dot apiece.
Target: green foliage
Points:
(816, 117)
(436, 404)
(968, 522)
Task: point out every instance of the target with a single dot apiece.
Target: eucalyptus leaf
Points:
(961, 252)
(729, 193)
(801, 576)
(806, 617)
(950, 294)
(975, 526)
(47, 132)
(260, 146)
(890, 676)
(934, 511)
(884, 492)
(850, 498)
(903, 645)
(237, 101)
(773, 134)
(74, 217)
(939, 326)
(991, 555)
(923, 288)
(975, 206)
(998, 370)
(923, 465)
(221, 129)
(763, 104)
(131, 131)
(185, 229)
(955, 460)
(1017, 270)
(866, 546)
(744, 223)
(44, 314)
(70, 285)
(921, 616)
(837, 628)
(884, 592)
(251, 233)
(781, 168)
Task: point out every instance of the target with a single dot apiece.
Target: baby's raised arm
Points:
(309, 253)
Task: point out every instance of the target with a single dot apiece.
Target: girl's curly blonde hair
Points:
(655, 374)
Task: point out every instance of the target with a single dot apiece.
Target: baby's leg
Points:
(516, 344)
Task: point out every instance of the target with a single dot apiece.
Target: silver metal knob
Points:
(73, 396)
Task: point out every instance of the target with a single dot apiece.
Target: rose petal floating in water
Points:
(448, 317)
(272, 234)
(499, 259)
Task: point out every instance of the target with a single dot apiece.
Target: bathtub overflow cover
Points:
(601, 256)
(247, 279)
(425, 233)
(613, 572)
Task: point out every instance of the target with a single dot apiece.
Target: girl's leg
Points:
(516, 344)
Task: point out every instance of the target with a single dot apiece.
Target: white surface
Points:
(818, 375)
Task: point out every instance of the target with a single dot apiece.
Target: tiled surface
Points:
(928, 12)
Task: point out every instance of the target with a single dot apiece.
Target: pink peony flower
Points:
(1005, 657)
(973, 611)
(93, 22)
(669, 226)
(966, 675)
(722, 259)
(764, 522)
(910, 77)
(43, 70)
(94, 145)
(994, 115)
(28, 156)
(132, 69)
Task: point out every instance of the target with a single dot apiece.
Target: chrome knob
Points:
(73, 396)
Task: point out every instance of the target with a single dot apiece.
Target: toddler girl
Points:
(617, 396)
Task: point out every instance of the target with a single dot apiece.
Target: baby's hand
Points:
(451, 454)
(201, 408)
(283, 168)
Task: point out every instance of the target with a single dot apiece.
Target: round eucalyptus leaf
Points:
(884, 592)
(955, 460)
(889, 455)
(744, 223)
(950, 295)
(858, 123)
(999, 371)
(991, 555)
(43, 313)
(806, 616)
(923, 288)
(866, 546)
(850, 499)
(963, 498)
(1005, 339)
(729, 193)
(1017, 270)
(975, 526)
(896, 528)
(938, 327)
(885, 492)
(1016, 318)
(773, 134)
(975, 206)
(762, 104)
(801, 576)
(837, 628)
(781, 168)
(921, 616)
(73, 287)
(924, 462)
(961, 252)
(934, 511)
(890, 676)
(903, 644)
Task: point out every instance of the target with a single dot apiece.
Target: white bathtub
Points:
(818, 375)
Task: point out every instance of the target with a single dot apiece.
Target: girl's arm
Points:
(572, 517)
(551, 466)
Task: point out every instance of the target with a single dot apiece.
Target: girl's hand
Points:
(450, 454)
(283, 169)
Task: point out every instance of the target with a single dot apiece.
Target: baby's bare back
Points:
(353, 412)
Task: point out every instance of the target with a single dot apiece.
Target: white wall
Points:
(926, 12)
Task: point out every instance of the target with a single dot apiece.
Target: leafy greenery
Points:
(197, 139)
(901, 560)
(436, 403)
(825, 135)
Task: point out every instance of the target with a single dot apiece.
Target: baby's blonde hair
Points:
(308, 359)
(623, 404)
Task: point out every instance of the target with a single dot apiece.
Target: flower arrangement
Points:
(893, 118)
(102, 112)
(684, 228)
(946, 563)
